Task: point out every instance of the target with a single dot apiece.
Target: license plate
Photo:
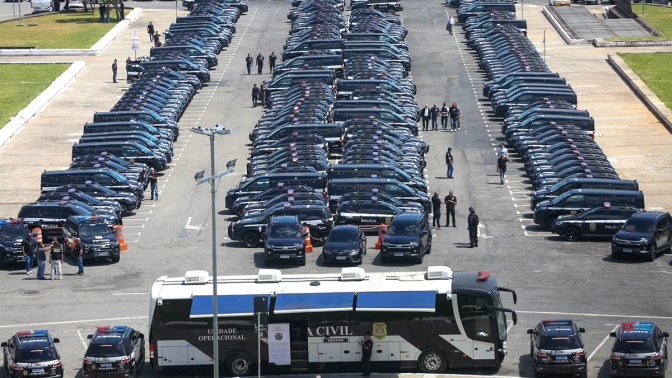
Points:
(635, 361)
(340, 257)
(560, 357)
(38, 371)
(103, 253)
(284, 256)
(399, 254)
(627, 249)
(105, 365)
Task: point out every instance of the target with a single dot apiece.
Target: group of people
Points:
(259, 94)
(451, 201)
(154, 36)
(32, 249)
(446, 113)
(259, 62)
(104, 11)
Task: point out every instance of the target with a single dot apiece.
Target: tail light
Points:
(57, 364)
(655, 356)
(17, 367)
(593, 134)
(341, 141)
(582, 352)
(125, 360)
(615, 356)
(151, 350)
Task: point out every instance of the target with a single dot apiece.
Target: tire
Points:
(432, 362)
(583, 375)
(652, 253)
(615, 256)
(251, 239)
(550, 222)
(302, 262)
(572, 234)
(418, 260)
(116, 259)
(429, 247)
(239, 365)
(3, 263)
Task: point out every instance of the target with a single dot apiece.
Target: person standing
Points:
(450, 22)
(255, 95)
(502, 150)
(153, 185)
(455, 114)
(367, 347)
(107, 14)
(444, 116)
(101, 10)
(114, 71)
(271, 62)
(426, 115)
(449, 163)
(128, 63)
(472, 226)
(79, 252)
(28, 245)
(450, 202)
(248, 63)
(502, 161)
(121, 11)
(436, 211)
(262, 94)
(41, 255)
(434, 111)
(260, 63)
(56, 259)
(150, 31)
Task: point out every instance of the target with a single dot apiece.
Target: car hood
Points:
(284, 241)
(621, 234)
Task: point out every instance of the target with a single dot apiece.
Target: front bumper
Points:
(346, 258)
(399, 253)
(632, 249)
(285, 256)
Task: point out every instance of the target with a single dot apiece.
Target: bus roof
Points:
(352, 289)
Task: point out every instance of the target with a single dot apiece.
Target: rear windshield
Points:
(634, 346)
(638, 225)
(105, 350)
(560, 343)
(36, 355)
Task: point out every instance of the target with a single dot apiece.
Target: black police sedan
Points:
(640, 350)
(32, 353)
(556, 348)
(114, 351)
(600, 221)
(345, 244)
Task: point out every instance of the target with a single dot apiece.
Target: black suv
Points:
(640, 350)
(49, 216)
(645, 234)
(12, 233)
(556, 347)
(408, 236)
(600, 221)
(114, 351)
(33, 354)
(96, 237)
(284, 240)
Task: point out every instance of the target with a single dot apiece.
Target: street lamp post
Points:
(217, 130)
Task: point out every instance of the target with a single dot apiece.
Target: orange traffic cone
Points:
(382, 231)
(119, 234)
(38, 234)
(309, 247)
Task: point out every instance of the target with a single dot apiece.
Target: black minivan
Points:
(581, 183)
(646, 234)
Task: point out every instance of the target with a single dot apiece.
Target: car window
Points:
(597, 215)
(102, 179)
(638, 225)
(260, 184)
(663, 223)
(394, 190)
(634, 346)
(576, 200)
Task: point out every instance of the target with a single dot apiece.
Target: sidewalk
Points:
(45, 141)
(637, 144)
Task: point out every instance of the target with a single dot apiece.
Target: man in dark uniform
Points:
(472, 226)
(444, 116)
(260, 63)
(121, 11)
(150, 31)
(455, 114)
(255, 95)
(436, 210)
(367, 346)
(271, 62)
(114, 71)
(449, 163)
(450, 202)
(262, 93)
(426, 115)
(248, 63)
(502, 161)
(28, 248)
(79, 252)
(434, 111)
(153, 184)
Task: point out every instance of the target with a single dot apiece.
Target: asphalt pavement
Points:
(553, 278)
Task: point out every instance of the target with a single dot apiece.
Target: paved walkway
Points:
(44, 143)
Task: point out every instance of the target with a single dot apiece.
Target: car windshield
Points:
(403, 229)
(285, 231)
(638, 225)
(343, 235)
(556, 187)
(560, 197)
(88, 230)
(13, 233)
(36, 355)
(634, 346)
(560, 343)
(105, 350)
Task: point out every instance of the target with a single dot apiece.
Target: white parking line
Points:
(593, 315)
(602, 343)
(81, 339)
(73, 322)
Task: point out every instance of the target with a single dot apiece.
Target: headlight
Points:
(644, 241)
(414, 244)
(354, 252)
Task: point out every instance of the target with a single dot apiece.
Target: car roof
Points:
(636, 331)
(560, 327)
(605, 191)
(110, 335)
(648, 215)
(34, 339)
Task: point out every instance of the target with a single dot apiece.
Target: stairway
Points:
(299, 352)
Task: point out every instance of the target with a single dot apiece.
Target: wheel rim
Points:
(572, 234)
(251, 240)
(432, 361)
(240, 366)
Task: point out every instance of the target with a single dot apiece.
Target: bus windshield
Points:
(501, 319)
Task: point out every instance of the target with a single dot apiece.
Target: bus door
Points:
(478, 328)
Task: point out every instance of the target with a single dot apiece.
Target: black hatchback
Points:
(644, 234)
(345, 244)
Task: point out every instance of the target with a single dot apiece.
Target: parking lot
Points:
(553, 278)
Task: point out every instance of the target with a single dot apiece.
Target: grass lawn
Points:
(75, 30)
(659, 17)
(21, 83)
(655, 70)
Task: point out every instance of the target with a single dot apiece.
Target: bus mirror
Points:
(530, 331)
(513, 292)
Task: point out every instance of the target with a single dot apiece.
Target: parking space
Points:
(587, 26)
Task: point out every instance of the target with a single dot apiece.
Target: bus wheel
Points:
(240, 365)
(432, 361)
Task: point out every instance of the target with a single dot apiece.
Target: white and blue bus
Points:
(431, 321)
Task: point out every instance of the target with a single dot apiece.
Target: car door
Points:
(663, 232)
(425, 234)
(594, 223)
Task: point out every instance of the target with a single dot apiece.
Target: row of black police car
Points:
(337, 150)
(578, 192)
(111, 163)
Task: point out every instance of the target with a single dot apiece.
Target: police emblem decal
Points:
(379, 330)
(278, 336)
(592, 227)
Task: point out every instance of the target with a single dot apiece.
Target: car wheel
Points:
(572, 234)
(615, 255)
(239, 365)
(538, 374)
(550, 222)
(251, 239)
(116, 258)
(3, 262)
(302, 262)
(432, 361)
(652, 253)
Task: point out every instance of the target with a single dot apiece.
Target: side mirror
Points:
(89, 337)
(57, 340)
(530, 331)
(612, 334)
(142, 336)
(665, 334)
(582, 330)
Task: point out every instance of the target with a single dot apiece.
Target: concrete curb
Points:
(94, 50)
(650, 100)
(40, 101)
(563, 34)
(600, 42)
